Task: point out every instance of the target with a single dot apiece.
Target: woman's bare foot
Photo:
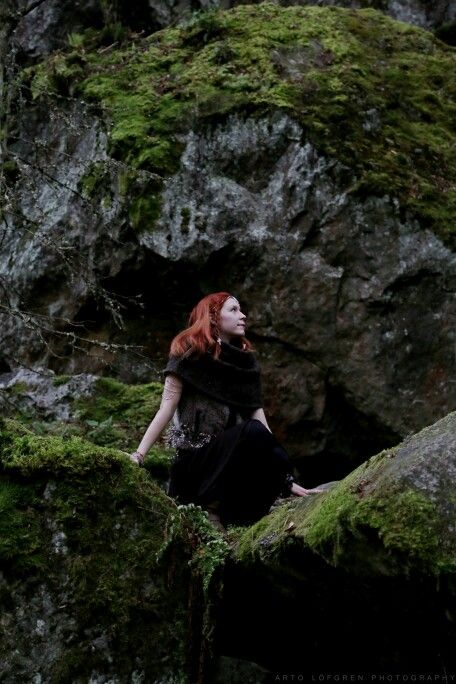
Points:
(301, 491)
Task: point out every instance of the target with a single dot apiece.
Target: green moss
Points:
(20, 532)
(115, 415)
(118, 415)
(158, 462)
(213, 549)
(106, 543)
(10, 170)
(30, 453)
(401, 530)
(144, 211)
(61, 380)
(93, 178)
(130, 408)
(349, 62)
(75, 40)
(384, 530)
(141, 191)
(18, 388)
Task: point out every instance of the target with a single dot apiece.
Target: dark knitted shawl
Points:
(234, 378)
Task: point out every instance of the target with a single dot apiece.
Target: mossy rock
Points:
(392, 516)
(129, 408)
(114, 414)
(100, 571)
(378, 95)
(360, 578)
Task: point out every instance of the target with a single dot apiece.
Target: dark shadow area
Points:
(327, 620)
(351, 438)
(155, 300)
(4, 365)
(447, 33)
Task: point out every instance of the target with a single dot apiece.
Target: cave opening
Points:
(350, 438)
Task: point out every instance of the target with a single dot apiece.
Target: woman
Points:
(227, 459)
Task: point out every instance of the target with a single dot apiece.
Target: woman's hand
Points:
(301, 491)
(137, 457)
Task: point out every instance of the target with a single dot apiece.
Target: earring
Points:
(217, 335)
(216, 329)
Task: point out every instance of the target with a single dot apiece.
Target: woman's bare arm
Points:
(259, 415)
(170, 398)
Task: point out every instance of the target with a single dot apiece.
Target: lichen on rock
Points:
(331, 68)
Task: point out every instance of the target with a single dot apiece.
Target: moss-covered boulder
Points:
(103, 411)
(393, 515)
(368, 568)
(102, 577)
(43, 27)
(374, 93)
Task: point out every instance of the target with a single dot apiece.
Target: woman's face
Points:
(231, 320)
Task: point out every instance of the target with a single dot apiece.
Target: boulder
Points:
(40, 26)
(102, 577)
(367, 569)
(102, 410)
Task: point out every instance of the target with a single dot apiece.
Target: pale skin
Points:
(231, 325)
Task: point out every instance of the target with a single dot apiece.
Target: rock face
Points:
(27, 391)
(300, 157)
(418, 12)
(354, 283)
(98, 581)
(371, 562)
(74, 606)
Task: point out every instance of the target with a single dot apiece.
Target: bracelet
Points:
(140, 454)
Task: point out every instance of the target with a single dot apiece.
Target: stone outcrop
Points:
(347, 284)
(303, 158)
(101, 410)
(102, 577)
(367, 569)
(41, 26)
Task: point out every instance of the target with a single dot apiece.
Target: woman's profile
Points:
(227, 459)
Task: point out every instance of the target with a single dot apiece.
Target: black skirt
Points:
(244, 469)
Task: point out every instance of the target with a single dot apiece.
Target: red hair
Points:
(201, 335)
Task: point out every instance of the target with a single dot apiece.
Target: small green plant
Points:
(61, 380)
(75, 40)
(210, 549)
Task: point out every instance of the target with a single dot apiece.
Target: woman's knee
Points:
(256, 425)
